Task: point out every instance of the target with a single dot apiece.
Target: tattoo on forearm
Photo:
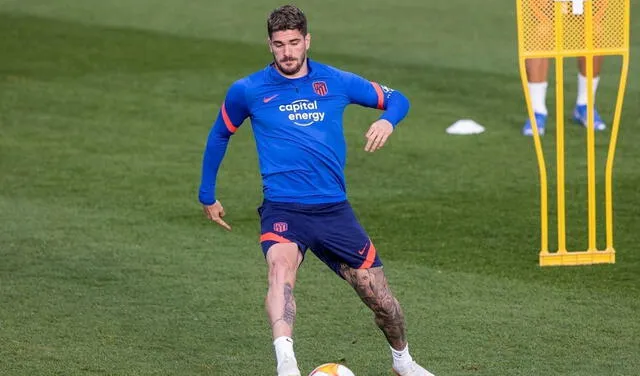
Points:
(372, 287)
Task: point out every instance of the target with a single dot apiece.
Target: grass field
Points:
(107, 266)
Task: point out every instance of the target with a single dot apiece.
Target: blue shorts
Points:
(331, 231)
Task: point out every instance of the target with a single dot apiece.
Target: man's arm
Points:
(233, 112)
(373, 95)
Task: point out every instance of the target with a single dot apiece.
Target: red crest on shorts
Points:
(320, 88)
(280, 226)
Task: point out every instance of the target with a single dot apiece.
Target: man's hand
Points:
(377, 135)
(215, 213)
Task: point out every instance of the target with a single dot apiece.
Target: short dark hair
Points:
(287, 17)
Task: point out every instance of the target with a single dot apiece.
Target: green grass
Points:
(107, 266)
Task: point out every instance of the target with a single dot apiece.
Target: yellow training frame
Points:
(572, 28)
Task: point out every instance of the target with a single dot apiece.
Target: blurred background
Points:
(107, 266)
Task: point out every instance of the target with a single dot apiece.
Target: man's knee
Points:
(364, 279)
(283, 261)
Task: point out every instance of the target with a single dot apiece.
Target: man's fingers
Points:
(377, 142)
(207, 213)
(377, 136)
(370, 140)
(368, 134)
(383, 140)
(222, 223)
(215, 213)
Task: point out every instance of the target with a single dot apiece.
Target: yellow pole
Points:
(614, 137)
(544, 222)
(559, 27)
(591, 168)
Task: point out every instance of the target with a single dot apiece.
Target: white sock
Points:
(284, 349)
(401, 359)
(582, 89)
(538, 92)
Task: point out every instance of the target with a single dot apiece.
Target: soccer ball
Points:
(331, 369)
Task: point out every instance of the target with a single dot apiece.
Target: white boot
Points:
(288, 367)
(413, 370)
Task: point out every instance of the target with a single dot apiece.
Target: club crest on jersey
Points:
(320, 88)
(280, 226)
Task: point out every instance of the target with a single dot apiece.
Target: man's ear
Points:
(307, 40)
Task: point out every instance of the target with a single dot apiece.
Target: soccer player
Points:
(296, 107)
(538, 69)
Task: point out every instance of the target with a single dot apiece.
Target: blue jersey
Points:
(297, 125)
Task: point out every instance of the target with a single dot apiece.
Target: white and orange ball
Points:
(331, 369)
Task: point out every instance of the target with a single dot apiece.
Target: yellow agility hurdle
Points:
(574, 28)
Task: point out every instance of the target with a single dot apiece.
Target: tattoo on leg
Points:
(289, 315)
(373, 289)
(289, 305)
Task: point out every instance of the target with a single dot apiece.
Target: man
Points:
(296, 107)
(538, 69)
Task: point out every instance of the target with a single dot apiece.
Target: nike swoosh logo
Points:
(269, 99)
(361, 252)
